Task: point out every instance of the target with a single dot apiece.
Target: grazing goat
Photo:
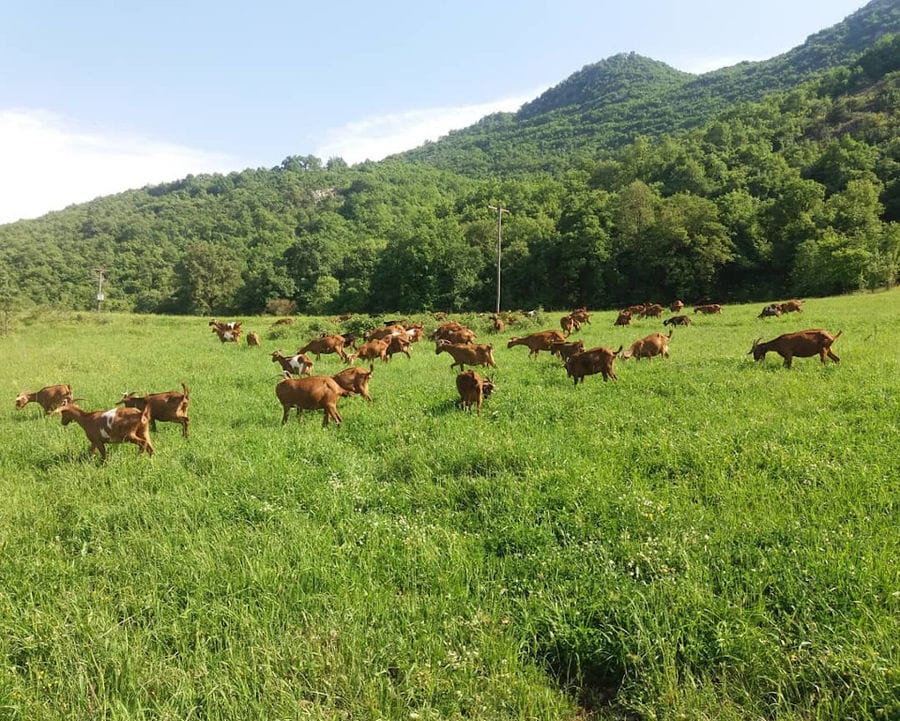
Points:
(652, 310)
(170, 407)
(624, 318)
(355, 381)
(325, 344)
(591, 362)
(581, 315)
(569, 324)
(230, 325)
(118, 425)
(253, 339)
(567, 349)
(791, 306)
(676, 306)
(536, 342)
(773, 310)
(803, 344)
(371, 350)
(398, 344)
(50, 398)
(298, 364)
(708, 309)
(497, 323)
(463, 355)
(653, 345)
(309, 394)
(283, 321)
(473, 389)
(634, 309)
(228, 336)
(678, 320)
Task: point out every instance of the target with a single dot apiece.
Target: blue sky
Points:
(99, 97)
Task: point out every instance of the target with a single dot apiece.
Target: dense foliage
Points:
(797, 193)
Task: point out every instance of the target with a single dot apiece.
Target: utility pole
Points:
(100, 297)
(500, 211)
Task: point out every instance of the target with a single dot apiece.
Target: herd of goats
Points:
(298, 388)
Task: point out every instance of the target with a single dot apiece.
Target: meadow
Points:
(707, 538)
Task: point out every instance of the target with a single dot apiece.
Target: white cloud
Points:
(377, 137)
(46, 163)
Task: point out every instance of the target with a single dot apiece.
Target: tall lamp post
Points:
(500, 211)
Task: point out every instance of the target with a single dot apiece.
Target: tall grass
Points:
(707, 538)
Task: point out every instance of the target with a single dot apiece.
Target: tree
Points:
(209, 277)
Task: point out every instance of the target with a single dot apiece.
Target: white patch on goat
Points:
(298, 365)
(106, 421)
(229, 335)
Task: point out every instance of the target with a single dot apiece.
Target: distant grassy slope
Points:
(707, 537)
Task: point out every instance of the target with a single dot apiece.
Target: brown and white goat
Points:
(170, 407)
(591, 362)
(773, 310)
(473, 355)
(309, 394)
(653, 345)
(536, 342)
(473, 389)
(802, 344)
(298, 364)
(118, 425)
(325, 344)
(355, 381)
(50, 398)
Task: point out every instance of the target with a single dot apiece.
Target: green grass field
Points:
(707, 538)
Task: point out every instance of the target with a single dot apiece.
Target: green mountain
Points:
(608, 104)
(629, 181)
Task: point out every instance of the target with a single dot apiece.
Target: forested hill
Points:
(608, 104)
(798, 193)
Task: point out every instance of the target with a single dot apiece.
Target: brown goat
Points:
(298, 364)
(497, 323)
(678, 320)
(170, 407)
(473, 389)
(253, 340)
(791, 306)
(590, 362)
(325, 344)
(567, 349)
(773, 310)
(802, 344)
(118, 425)
(653, 345)
(624, 318)
(310, 394)
(676, 306)
(652, 310)
(536, 342)
(581, 315)
(569, 324)
(50, 398)
(463, 355)
(371, 350)
(355, 381)
(709, 309)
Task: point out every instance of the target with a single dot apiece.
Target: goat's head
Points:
(21, 400)
(757, 350)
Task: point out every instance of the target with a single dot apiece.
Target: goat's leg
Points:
(185, 422)
(284, 417)
(788, 359)
(832, 356)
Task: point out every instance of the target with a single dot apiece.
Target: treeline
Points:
(794, 195)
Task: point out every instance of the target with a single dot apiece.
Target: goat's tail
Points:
(145, 414)
(185, 389)
(839, 334)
